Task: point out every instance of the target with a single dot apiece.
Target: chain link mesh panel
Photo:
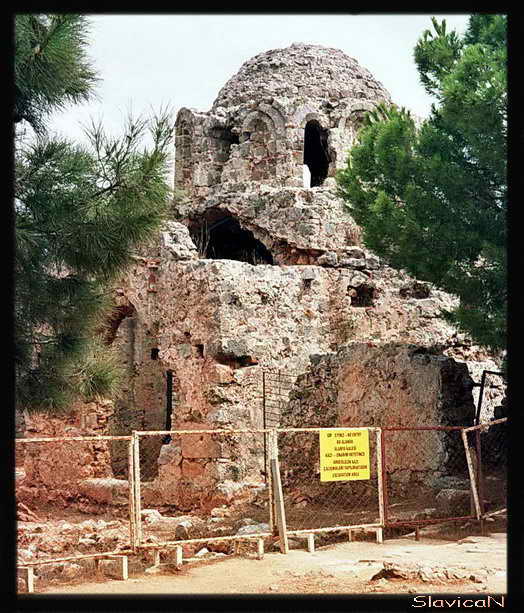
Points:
(311, 503)
(490, 442)
(204, 485)
(426, 475)
(68, 502)
(276, 388)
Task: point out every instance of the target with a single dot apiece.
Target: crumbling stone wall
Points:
(220, 322)
(246, 154)
(386, 385)
(214, 318)
(389, 385)
(52, 471)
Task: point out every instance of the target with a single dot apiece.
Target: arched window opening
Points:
(316, 156)
(118, 315)
(224, 138)
(221, 237)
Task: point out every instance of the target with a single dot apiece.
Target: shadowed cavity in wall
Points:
(316, 156)
(220, 236)
(145, 400)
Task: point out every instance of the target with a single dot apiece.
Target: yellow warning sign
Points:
(344, 455)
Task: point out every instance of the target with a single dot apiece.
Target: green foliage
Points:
(51, 65)
(432, 199)
(81, 212)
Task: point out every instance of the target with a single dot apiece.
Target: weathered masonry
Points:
(262, 266)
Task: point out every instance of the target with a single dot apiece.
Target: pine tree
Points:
(80, 214)
(432, 199)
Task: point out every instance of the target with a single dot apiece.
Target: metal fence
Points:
(321, 506)
(213, 487)
(488, 442)
(426, 477)
(208, 487)
(67, 484)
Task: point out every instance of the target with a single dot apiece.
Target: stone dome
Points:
(300, 71)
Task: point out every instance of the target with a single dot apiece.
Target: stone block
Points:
(221, 373)
(193, 469)
(105, 490)
(454, 502)
(199, 445)
(170, 453)
(329, 259)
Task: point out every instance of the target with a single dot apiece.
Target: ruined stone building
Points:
(263, 267)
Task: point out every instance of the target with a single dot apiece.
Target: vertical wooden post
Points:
(123, 567)
(417, 534)
(260, 548)
(350, 536)
(156, 557)
(138, 502)
(132, 497)
(271, 498)
(480, 480)
(279, 496)
(178, 556)
(380, 477)
(29, 573)
(264, 421)
(474, 464)
(380, 536)
(311, 542)
(471, 474)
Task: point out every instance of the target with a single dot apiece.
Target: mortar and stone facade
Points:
(261, 267)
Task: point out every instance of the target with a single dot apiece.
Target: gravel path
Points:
(340, 568)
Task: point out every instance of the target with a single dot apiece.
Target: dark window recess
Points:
(307, 283)
(225, 134)
(200, 350)
(154, 353)
(169, 405)
(415, 290)
(363, 295)
(235, 361)
(225, 239)
(316, 156)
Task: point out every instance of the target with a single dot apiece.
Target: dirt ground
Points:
(343, 568)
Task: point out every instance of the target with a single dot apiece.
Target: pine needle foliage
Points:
(52, 70)
(81, 212)
(432, 199)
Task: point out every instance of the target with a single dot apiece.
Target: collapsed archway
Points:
(219, 236)
(316, 156)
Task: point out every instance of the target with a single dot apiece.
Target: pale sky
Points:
(146, 61)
